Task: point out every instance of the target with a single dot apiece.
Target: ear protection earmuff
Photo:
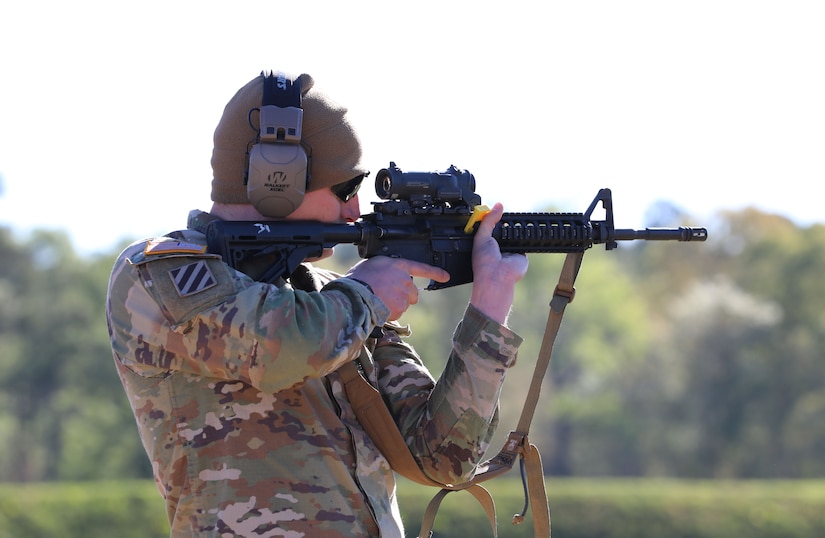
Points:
(278, 170)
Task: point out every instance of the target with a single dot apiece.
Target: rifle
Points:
(427, 217)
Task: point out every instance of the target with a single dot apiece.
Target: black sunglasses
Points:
(347, 190)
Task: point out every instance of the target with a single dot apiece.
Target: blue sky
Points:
(108, 112)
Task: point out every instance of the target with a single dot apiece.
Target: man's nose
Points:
(352, 209)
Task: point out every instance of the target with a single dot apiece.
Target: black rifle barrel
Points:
(682, 233)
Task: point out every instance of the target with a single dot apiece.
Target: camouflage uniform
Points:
(239, 406)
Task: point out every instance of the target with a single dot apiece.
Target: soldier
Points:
(234, 383)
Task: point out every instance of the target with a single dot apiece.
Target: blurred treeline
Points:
(700, 360)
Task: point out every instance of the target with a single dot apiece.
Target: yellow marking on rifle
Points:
(479, 212)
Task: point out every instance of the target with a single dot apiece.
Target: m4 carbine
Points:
(427, 217)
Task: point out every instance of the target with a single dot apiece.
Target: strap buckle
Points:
(561, 298)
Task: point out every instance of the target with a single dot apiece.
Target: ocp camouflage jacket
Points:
(238, 404)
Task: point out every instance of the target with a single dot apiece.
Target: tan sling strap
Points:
(379, 424)
(377, 421)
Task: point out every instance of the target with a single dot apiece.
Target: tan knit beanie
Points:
(327, 137)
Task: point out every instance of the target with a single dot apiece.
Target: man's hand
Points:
(494, 274)
(391, 279)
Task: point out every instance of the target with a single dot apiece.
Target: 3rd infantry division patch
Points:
(192, 278)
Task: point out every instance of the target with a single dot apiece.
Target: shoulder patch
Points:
(185, 285)
(192, 278)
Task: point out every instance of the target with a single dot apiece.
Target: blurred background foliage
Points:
(674, 360)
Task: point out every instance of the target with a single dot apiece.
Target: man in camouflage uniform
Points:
(234, 382)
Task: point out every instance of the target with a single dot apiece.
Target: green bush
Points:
(635, 509)
(128, 509)
(579, 509)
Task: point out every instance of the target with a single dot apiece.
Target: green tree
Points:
(66, 415)
(738, 352)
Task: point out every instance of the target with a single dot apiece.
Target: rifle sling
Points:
(379, 424)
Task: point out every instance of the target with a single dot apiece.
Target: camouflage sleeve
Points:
(448, 424)
(270, 337)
